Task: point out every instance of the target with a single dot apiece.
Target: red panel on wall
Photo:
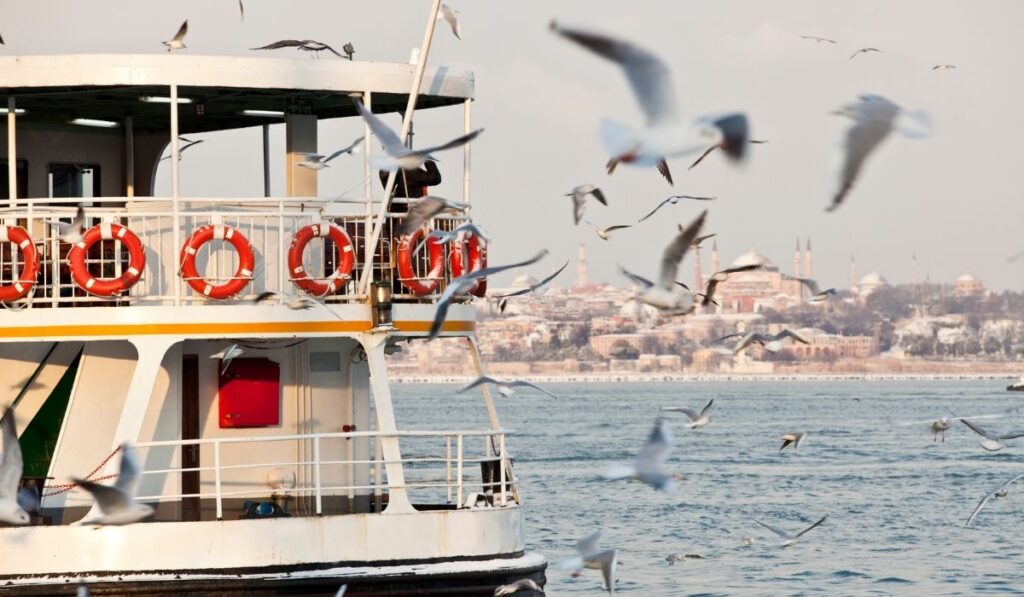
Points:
(250, 393)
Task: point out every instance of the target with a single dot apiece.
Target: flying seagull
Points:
(724, 338)
(818, 39)
(667, 295)
(71, 233)
(315, 161)
(817, 294)
(787, 538)
(590, 558)
(794, 439)
(940, 425)
(995, 494)
(117, 503)
(604, 233)
(944, 67)
(422, 210)
(451, 15)
(649, 465)
(503, 298)
(662, 167)
(241, 10)
(991, 441)
(504, 387)
(305, 45)
(187, 143)
(719, 146)
(463, 283)
(579, 199)
(295, 303)
(523, 584)
(178, 41)
(672, 201)
(14, 503)
(2, 42)
(698, 420)
(863, 51)
(464, 228)
(227, 355)
(770, 342)
(665, 134)
(721, 276)
(397, 155)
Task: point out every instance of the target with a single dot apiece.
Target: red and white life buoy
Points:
(427, 284)
(246, 261)
(107, 287)
(301, 278)
(470, 249)
(20, 288)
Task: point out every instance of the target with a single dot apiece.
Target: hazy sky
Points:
(955, 198)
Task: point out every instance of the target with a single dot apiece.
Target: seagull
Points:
(714, 147)
(665, 134)
(590, 558)
(227, 355)
(672, 201)
(991, 442)
(787, 538)
(817, 294)
(726, 337)
(523, 584)
(995, 494)
(178, 42)
(603, 233)
(464, 228)
(503, 298)
(874, 118)
(463, 283)
(666, 294)
(662, 167)
(14, 503)
(117, 503)
(699, 420)
(2, 42)
(451, 15)
(579, 199)
(422, 210)
(943, 66)
(241, 10)
(682, 557)
(940, 425)
(295, 303)
(504, 387)
(181, 150)
(71, 233)
(697, 241)
(315, 161)
(794, 439)
(818, 39)
(398, 156)
(863, 51)
(649, 465)
(770, 342)
(721, 276)
(305, 45)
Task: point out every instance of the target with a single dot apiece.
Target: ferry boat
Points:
(282, 470)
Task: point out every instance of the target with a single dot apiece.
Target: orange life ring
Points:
(472, 250)
(407, 274)
(243, 274)
(107, 287)
(19, 289)
(301, 278)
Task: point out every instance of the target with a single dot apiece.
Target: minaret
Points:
(853, 273)
(698, 279)
(796, 259)
(808, 260)
(714, 256)
(581, 267)
(913, 268)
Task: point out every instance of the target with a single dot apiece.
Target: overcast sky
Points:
(954, 198)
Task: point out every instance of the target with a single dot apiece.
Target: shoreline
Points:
(706, 377)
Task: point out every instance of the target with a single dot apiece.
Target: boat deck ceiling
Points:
(54, 90)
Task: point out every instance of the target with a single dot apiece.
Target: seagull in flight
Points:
(117, 503)
(991, 441)
(604, 233)
(178, 41)
(422, 210)
(944, 67)
(504, 297)
(315, 161)
(794, 439)
(504, 387)
(295, 303)
(662, 167)
(649, 465)
(14, 503)
(721, 276)
(697, 420)
(874, 118)
(241, 10)
(863, 51)
(589, 557)
(770, 342)
(451, 15)
(579, 199)
(72, 232)
(227, 355)
(465, 228)
(942, 424)
(817, 294)
(523, 584)
(714, 147)
(397, 155)
(818, 39)
(995, 494)
(464, 283)
(672, 200)
(665, 133)
(667, 294)
(787, 538)
(305, 45)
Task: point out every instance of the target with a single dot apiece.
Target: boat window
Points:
(74, 180)
(22, 179)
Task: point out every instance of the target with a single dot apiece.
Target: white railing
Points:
(268, 223)
(422, 472)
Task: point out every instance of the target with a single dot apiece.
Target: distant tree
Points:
(621, 349)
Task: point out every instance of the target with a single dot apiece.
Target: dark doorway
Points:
(190, 430)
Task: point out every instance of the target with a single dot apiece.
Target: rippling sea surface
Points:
(896, 501)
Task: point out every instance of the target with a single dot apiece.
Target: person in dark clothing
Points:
(412, 183)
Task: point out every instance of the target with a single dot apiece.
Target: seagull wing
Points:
(652, 456)
(664, 171)
(702, 156)
(734, 132)
(726, 337)
(981, 504)
(788, 333)
(659, 206)
(535, 286)
(527, 384)
(805, 531)
(330, 49)
(874, 123)
(182, 31)
(707, 407)
(682, 409)
(776, 530)
(642, 281)
(977, 429)
(452, 19)
(284, 43)
(617, 227)
(1013, 435)
(420, 212)
(348, 149)
(458, 142)
(476, 382)
(392, 144)
(745, 342)
(263, 296)
(128, 477)
(109, 499)
(11, 465)
(608, 560)
(648, 76)
(588, 544)
(677, 249)
(598, 194)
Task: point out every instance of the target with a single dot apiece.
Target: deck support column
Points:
(12, 153)
(398, 497)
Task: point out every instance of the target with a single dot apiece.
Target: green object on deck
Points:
(40, 437)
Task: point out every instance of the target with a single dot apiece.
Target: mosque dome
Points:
(752, 256)
(873, 279)
(966, 279)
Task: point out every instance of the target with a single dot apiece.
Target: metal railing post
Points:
(316, 475)
(448, 466)
(501, 462)
(176, 229)
(458, 471)
(216, 479)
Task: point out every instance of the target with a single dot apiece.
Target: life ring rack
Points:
(246, 261)
(105, 287)
(469, 249)
(301, 278)
(428, 284)
(21, 287)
